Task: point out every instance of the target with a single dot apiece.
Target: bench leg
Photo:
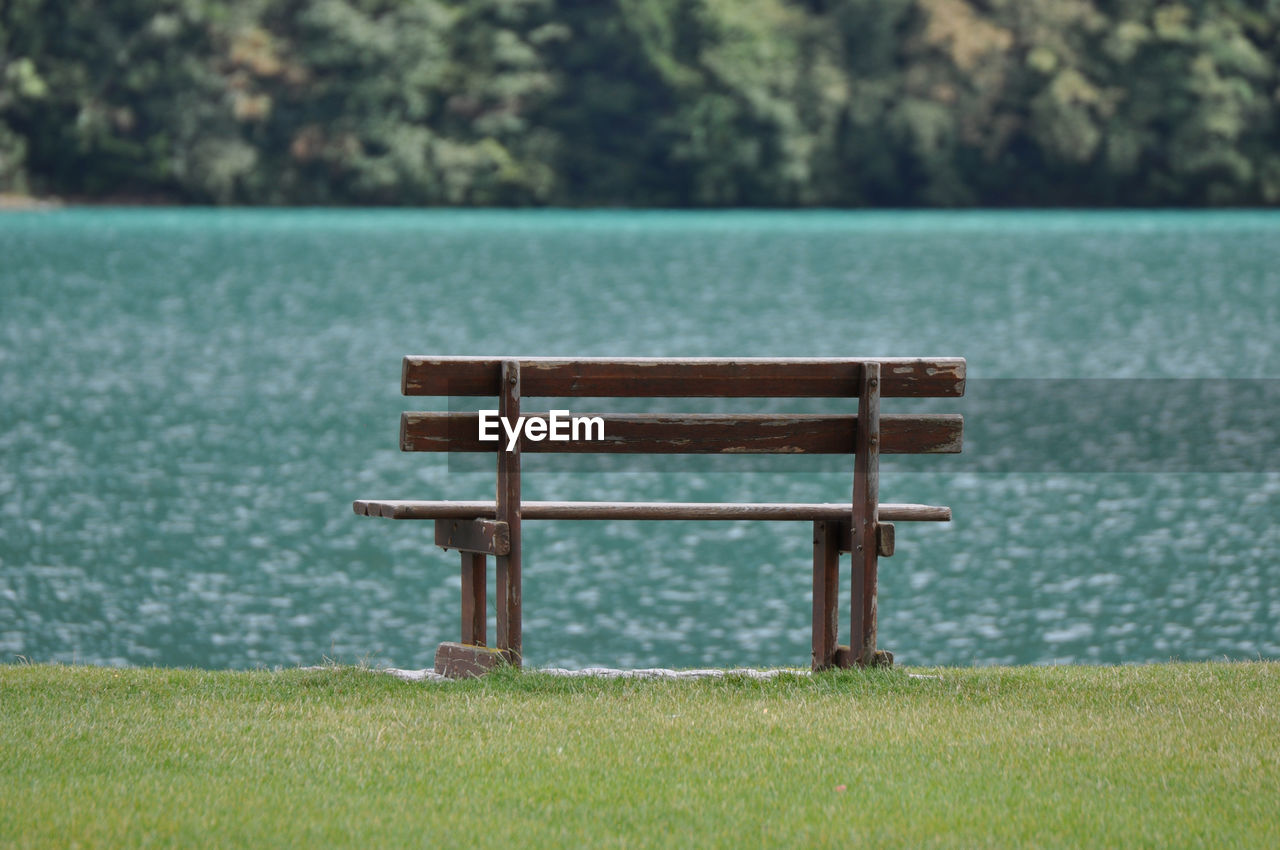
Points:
(864, 533)
(826, 587)
(507, 577)
(507, 591)
(470, 657)
(473, 598)
(865, 579)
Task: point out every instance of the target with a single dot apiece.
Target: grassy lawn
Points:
(1160, 756)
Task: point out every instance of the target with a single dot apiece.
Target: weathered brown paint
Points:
(486, 536)
(845, 657)
(826, 586)
(508, 510)
(886, 539)
(540, 510)
(864, 525)
(686, 433)
(696, 377)
(473, 598)
(866, 498)
(461, 661)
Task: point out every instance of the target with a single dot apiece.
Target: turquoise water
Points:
(190, 400)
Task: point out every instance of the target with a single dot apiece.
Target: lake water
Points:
(190, 400)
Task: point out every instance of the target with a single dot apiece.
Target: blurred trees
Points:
(644, 102)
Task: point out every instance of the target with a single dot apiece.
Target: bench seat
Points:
(812, 511)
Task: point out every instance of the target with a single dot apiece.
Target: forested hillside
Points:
(643, 102)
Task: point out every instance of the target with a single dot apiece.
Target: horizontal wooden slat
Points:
(779, 511)
(482, 536)
(680, 433)
(698, 377)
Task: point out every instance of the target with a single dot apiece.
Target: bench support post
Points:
(826, 588)
(483, 536)
(473, 598)
(508, 566)
(864, 534)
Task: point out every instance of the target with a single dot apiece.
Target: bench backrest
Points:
(681, 433)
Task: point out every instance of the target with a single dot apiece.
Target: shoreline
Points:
(20, 202)
(12, 202)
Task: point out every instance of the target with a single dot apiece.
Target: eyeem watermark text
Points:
(558, 426)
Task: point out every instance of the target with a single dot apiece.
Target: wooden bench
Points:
(862, 526)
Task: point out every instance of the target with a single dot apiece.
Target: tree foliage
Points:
(644, 102)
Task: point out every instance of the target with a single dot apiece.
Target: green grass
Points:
(1158, 756)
